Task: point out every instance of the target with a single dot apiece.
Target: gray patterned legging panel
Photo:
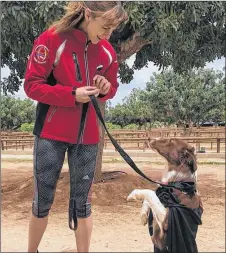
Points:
(48, 161)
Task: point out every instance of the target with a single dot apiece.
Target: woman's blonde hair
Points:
(112, 12)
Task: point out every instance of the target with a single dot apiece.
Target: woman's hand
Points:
(102, 84)
(82, 94)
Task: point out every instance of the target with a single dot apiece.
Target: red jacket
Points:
(58, 63)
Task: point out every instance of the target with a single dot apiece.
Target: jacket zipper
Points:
(87, 83)
(86, 64)
(52, 113)
(77, 69)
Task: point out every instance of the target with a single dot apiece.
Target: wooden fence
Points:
(132, 139)
(142, 143)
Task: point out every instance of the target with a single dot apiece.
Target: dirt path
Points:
(117, 225)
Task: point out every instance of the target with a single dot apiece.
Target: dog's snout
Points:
(153, 141)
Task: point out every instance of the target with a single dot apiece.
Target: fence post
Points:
(2, 145)
(218, 145)
(198, 146)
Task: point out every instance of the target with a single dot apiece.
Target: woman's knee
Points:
(83, 211)
(40, 210)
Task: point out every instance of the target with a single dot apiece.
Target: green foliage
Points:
(186, 99)
(21, 23)
(27, 127)
(117, 116)
(170, 98)
(111, 126)
(15, 112)
(125, 73)
(133, 111)
(131, 127)
(181, 34)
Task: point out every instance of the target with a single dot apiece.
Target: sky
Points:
(141, 77)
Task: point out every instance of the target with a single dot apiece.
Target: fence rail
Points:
(134, 139)
(142, 143)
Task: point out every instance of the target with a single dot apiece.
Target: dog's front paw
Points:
(136, 195)
(132, 196)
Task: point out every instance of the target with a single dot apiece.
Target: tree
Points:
(15, 112)
(139, 112)
(133, 110)
(172, 98)
(181, 34)
(178, 34)
(188, 99)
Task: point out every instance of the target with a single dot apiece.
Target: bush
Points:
(111, 126)
(131, 127)
(27, 127)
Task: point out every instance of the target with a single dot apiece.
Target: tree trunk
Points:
(190, 128)
(187, 130)
(98, 170)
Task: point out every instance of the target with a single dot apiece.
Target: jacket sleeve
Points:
(111, 76)
(39, 67)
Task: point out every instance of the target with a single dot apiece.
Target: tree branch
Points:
(131, 46)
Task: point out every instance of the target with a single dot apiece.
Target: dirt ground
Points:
(117, 226)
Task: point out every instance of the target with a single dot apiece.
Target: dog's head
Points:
(176, 152)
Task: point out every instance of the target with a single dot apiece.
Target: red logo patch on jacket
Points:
(41, 54)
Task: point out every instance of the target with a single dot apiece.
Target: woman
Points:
(70, 61)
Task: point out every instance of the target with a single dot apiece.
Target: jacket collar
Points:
(80, 35)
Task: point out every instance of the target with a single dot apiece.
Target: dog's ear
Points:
(187, 157)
